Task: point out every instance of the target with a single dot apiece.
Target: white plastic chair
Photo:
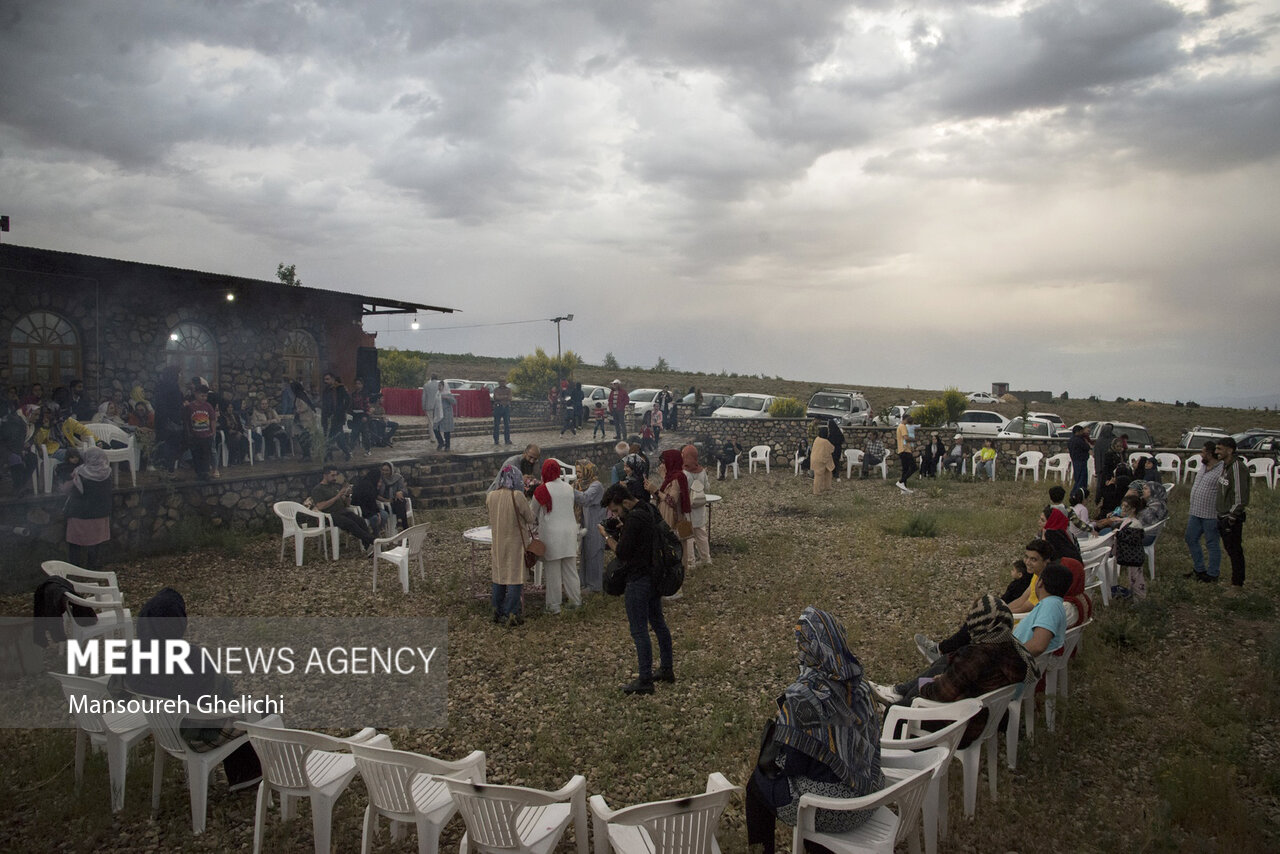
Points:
(1135, 456)
(301, 764)
(1168, 489)
(973, 464)
(410, 546)
(1059, 464)
(166, 728)
(1022, 711)
(407, 789)
(568, 473)
(1095, 574)
(1029, 461)
(113, 620)
(90, 579)
(1153, 530)
(796, 461)
(902, 752)
(1170, 463)
(116, 733)
(518, 819)
(1191, 467)
(130, 454)
(1263, 467)
(722, 467)
(996, 703)
(288, 511)
(44, 467)
(759, 454)
(678, 826)
(905, 788)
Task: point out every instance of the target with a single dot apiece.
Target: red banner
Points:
(408, 401)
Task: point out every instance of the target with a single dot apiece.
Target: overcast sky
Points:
(1061, 195)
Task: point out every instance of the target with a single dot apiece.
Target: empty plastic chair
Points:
(408, 788)
(679, 826)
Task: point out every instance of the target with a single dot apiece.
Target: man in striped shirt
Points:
(1202, 517)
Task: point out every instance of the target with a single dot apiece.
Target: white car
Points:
(893, 416)
(978, 422)
(983, 397)
(1138, 435)
(1020, 428)
(641, 400)
(745, 406)
(594, 397)
(454, 385)
(1058, 424)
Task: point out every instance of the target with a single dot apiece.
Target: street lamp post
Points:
(556, 321)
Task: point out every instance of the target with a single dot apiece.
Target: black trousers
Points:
(354, 526)
(908, 461)
(762, 823)
(1231, 533)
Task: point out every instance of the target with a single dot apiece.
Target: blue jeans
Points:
(1197, 526)
(989, 466)
(502, 414)
(505, 599)
(1080, 475)
(644, 609)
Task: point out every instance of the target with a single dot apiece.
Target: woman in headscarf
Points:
(88, 509)
(822, 462)
(164, 618)
(992, 659)
(587, 494)
(635, 467)
(697, 549)
(1076, 602)
(364, 494)
(1056, 534)
(510, 521)
(835, 435)
(825, 739)
(1113, 489)
(672, 497)
(558, 530)
(1101, 448)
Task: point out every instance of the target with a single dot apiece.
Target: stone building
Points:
(115, 324)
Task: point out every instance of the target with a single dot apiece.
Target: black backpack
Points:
(668, 557)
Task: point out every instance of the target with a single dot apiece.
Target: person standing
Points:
(335, 405)
(1202, 517)
(202, 426)
(510, 520)
(169, 419)
(576, 399)
(835, 435)
(1233, 498)
(1101, 452)
(1078, 449)
(697, 547)
(432, 408)
(822, 461)
(502, 412)
(906, 453)
(618, 400)
(88, 509)
(586, 495)
(558, 530)
(446, 404)
(634, 546)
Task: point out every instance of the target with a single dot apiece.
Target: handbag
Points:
(615, 578)
(1129, 550)
(684, 529)
(535, 548)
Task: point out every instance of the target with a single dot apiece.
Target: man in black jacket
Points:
(634, 546)
(1080, 450)
(335, 405)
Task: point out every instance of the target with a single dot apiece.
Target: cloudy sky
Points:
(1068, 194)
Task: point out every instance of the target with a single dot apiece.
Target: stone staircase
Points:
(471, 427)
(446, 483)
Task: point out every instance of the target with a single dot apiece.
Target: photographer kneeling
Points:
(631, 537)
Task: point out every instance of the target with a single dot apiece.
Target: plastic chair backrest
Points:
(89, 688)
(1028, 458)
(995, 702)
(682, 825)
(390, 776)
(490, 811)
(108, 433)
(916, 737)
(759, 453)
(283, 752)
(414, 538)
(75, 574)
(165, 725)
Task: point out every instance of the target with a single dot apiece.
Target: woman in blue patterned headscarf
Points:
(636, 467)
(825, 739)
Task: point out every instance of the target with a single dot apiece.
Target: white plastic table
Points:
(481, 538)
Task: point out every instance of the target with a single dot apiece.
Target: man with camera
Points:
(334, 498)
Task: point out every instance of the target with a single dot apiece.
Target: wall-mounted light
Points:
(173, 336)
(231, 296)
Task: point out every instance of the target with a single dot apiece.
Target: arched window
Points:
(302, 358)
(43, 348)
(191, 347)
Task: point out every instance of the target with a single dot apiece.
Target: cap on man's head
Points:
(616, 382)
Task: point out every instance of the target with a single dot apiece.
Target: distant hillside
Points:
(1166, 421)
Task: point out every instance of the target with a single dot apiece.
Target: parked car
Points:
(476, 385)
(454, 385)
(849, 406)
(1059, 426)
(711, 401)
(893, 416)
(1256, 439)
(641, 400)
(1019, 427)
(1197, 436)
(594, 397)
(745, 405)
(982, 397)
(1138, 435)
(978, 422)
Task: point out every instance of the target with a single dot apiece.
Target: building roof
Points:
(55, 262)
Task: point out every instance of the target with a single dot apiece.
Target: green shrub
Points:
(932, 414)
(786, 407)
(920, 525)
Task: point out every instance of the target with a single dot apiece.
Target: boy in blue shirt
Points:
(1045, 628)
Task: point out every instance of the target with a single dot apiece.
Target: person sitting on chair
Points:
(335, 499)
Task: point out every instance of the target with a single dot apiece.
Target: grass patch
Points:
(923, 524)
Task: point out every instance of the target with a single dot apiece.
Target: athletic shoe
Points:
(903, 487)
(886, 694)
(638, 686)
(1207, 578)
(928, 648)
(665, 674)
